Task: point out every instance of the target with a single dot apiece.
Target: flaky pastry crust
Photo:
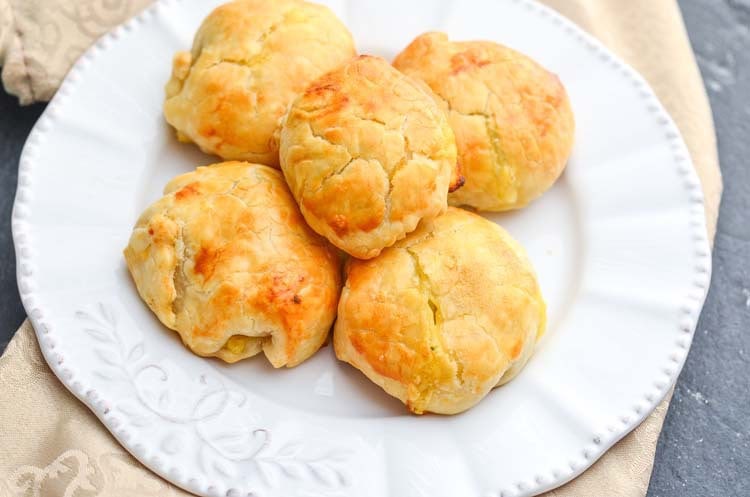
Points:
(226, 260)
(443, 316)
(367, 154)
(512, 118)
(250, 59)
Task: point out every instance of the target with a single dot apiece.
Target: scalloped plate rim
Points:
(103, 411)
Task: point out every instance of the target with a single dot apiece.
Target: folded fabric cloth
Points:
(53, 445)
(40, 39)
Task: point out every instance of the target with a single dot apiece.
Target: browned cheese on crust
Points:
(226, 260)
(368, 154)
(512, 118)
(443, 316)
(250, 59)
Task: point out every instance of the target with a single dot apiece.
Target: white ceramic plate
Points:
(619, 244)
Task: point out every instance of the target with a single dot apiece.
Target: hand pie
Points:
(443, 316)
(250, 59)
(367, 154)
(512, 118)
(226, 260)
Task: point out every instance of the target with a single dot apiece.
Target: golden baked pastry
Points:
(226, 259)
(512, 119)
(250, 59)
(367, 154)
(443, 316)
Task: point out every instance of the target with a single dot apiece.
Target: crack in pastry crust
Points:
(526, 136)
(226, 260)
(443, 316)
(367, 154)
(249, 60)
(433, 302)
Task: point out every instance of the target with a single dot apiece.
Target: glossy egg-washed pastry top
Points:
(512, 118)
(368, 154)
(250, 59)
(226, 260)
(444, 315)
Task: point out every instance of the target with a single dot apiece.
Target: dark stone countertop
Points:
(704, 449)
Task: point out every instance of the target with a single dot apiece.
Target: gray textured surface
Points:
(15, 124)
(704, 450)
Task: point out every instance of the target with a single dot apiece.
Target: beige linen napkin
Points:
(40, 39)
(52, 445)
